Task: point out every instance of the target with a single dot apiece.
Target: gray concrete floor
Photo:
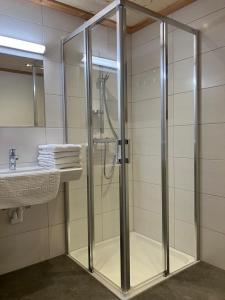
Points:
(61, 279)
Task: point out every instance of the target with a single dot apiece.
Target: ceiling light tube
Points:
(21, 45)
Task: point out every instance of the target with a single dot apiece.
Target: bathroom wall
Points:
(41, 235)
(208, 16)
(146, 129)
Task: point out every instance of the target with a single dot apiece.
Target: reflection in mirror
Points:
(22, 102)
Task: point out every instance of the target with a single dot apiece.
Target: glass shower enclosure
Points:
(131, 93)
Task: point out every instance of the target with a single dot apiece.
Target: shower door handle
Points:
(127, 159)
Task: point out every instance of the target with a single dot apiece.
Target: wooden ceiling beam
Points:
(165, 12)
(77, 12)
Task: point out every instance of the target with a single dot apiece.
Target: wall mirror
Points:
(22, 101)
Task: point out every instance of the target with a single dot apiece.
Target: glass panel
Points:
(105, 135)
(145, 134)
(75, 98)
(181, 148)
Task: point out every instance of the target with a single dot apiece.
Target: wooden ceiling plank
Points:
(74, 11)
(165, 12)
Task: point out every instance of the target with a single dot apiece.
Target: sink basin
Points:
(32, 185)
(20, 170)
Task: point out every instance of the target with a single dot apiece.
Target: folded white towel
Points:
(60, 154)
(59, 147)
(59, 166)
(57, 161)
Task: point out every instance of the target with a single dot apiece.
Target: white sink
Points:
(32, 185)
(19, 170)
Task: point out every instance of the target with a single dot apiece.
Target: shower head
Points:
(103, 77)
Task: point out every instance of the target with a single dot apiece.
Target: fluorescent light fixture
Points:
(21, 45)
(103, 62)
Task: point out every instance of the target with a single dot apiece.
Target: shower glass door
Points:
(144, 119)
(106, 249)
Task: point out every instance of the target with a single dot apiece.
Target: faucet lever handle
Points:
(12, 151)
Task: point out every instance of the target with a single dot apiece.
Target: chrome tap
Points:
(12, 159)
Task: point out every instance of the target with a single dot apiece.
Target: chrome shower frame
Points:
(119, 7)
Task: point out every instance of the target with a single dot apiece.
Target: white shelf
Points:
(70, 174)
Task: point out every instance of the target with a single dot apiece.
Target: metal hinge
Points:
(127, 159)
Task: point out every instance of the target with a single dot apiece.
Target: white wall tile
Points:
(75, 83)
(147, 196)
(213, 248)
(183, 45)
(212, 177)
(78, 234)
(146, 34)
(184, 206)
(111, 224)
(110, 197)
(54, 135)
(212, 141)
(52, 40)
(52, 77)
(213, 212)
(31, 221)
(98, 225)
(57, 242)
(184, 141)
(197, 10)
(14, 250)
(76, 112)
(146, 113)
(184, 173)
(147, 141)
(21, 30)
(56, 213)
(55, 19)
(147, 168)
(21, 9)
(141, 54)
(148, 223)
(53, 111)
(24, 140)
(184, 108)
(213, 68)
(185, 237)
(213, 105)
(211, 27)
(183, 76)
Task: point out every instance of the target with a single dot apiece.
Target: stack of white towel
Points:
(59, 156)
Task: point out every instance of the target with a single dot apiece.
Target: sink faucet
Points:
(12, 159)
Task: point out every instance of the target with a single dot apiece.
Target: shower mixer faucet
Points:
(12, 159)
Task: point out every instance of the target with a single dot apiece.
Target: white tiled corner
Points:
(213, 212)
(56, 213)
(54, 111)
(185, 237)
(57, 242)
(213, 247)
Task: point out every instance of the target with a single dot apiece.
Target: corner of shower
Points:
(137, 199)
